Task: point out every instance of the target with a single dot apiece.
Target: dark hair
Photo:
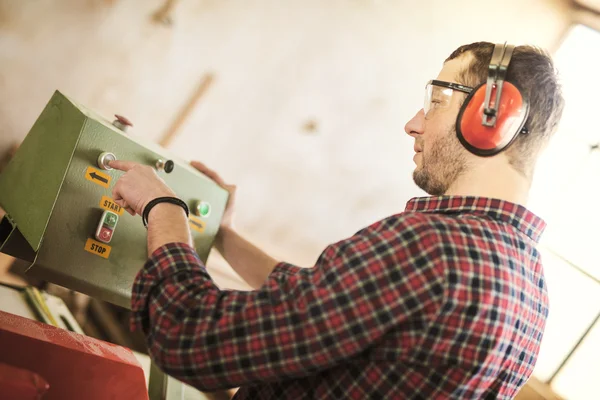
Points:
(532, 70)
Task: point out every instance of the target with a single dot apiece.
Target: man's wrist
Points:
(167, 223)
(165, 211)
(156, 200)
(156, 196)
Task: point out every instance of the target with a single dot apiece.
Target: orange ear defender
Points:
(494, 113)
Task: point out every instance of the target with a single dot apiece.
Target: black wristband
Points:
(171, 200)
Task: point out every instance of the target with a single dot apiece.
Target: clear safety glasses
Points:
(438, 95)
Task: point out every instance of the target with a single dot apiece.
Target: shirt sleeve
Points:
(301, 321)
(284, 269)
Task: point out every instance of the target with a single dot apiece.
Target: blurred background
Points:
(302, 104)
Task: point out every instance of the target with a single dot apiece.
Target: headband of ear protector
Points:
(494, 113)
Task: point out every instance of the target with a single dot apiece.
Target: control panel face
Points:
(93, 245)
(61, 217)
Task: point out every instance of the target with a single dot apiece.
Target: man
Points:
(445, 300)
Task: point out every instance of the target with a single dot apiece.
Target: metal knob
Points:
(201, 208)
(104, 159)
(165, 165)
(122, 123)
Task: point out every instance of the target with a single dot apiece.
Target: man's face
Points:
(440, 158)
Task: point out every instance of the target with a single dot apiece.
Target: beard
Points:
(441, 166)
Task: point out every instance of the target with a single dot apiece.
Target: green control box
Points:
(60, 214)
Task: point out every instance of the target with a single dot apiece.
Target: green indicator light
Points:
(204, 209)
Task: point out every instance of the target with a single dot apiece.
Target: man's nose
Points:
(416, 124)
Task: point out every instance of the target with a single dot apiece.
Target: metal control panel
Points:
(60, 214)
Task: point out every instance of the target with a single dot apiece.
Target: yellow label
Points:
(197, 224)
(100, 178)
(109, 204)
(97, 248)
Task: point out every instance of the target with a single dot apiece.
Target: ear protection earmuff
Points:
(494, 113)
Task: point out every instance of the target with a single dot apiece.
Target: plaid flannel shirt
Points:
(446, 300)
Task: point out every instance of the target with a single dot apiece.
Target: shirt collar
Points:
(514, 214)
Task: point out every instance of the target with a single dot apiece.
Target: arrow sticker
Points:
(197, 224)
(99, 178)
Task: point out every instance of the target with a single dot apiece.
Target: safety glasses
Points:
(438, 95)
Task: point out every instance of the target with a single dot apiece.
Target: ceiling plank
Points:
(174, 128)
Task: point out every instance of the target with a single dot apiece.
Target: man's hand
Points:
(138, 186)
(227, 220)
(250, 262)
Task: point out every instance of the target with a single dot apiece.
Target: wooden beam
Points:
(164, 14)
(173, 130)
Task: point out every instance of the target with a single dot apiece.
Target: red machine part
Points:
(17, 383)
(75, 366)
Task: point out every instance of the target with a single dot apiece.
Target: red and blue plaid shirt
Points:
(446, 300)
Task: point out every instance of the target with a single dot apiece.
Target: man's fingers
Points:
(120, 202)
(116, 195)
(208, 172)
(202, 168)
(122, 165)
